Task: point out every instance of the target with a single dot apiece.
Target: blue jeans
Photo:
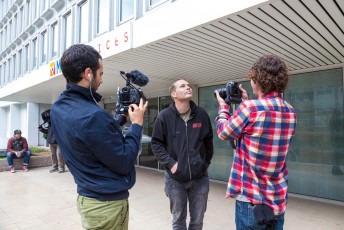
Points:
(26, 155)
(196, 192)
(244, 218)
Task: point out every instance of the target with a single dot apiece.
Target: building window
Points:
(44, 47)
(8, 71)
(1, 39)
(14, 68)
(15, 21)
(20, 67)
(153, 3)
(103, 16)
(27, 59)
(34, 53)
(35, 10)
(5, 37)
(83, 20)
(20, 20)
(45, 5)
(1, 76)
(27, 13)
(55, 39)
(4, 74)
(68, 31)
(10, 32)
(126, 10)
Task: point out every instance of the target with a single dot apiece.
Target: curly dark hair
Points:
(76, 59)
(270, 72)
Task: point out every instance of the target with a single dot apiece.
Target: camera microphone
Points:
(136, 77)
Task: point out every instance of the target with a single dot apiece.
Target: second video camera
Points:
(130, 94)
(46, 118)
(231, 94)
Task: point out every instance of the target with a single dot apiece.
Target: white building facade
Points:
(208, 43)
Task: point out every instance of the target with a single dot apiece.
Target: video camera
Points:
(129, 94)
(231, 94)
(46, 118)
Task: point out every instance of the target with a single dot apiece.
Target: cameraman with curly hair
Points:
(263, 128)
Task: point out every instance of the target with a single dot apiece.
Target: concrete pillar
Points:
(3, 127)
(33, 118)
(14, 120)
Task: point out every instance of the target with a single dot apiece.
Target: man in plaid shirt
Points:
(263, 128)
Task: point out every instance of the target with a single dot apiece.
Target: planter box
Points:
(35, 161)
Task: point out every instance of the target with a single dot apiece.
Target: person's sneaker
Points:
(53, 170)
(12, 170)
(61, 170)
(24, 168)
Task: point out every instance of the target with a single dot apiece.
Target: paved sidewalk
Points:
(39, 200)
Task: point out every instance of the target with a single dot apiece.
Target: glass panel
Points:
(35, 53)
(316, 157)
(68, 31)
(153, 2)
(126, 9)
(14, 69)
(15, 26)
(10, 68)
(164, 102)
(44, 47)
(27, 58)
(103, 16)
(27, 16)
(55, 37)
(147, 157)
(20, 58)
(20, 20)
(83, 22)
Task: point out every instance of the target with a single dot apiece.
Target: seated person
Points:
(17, 148)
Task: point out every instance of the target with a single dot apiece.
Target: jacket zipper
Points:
(187, 148)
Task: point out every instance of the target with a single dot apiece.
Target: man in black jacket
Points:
(58, 163)
(182, 141)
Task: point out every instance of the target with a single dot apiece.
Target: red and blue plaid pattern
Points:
(264, 129)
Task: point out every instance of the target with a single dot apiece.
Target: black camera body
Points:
(46, 118)
(127, 96)
(231, 94)
(130, 94)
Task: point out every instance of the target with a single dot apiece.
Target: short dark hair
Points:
(270, 72)
(17, 131)
(76, 59)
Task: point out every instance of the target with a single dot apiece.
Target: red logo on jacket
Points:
(197, 125)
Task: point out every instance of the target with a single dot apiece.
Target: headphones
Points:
(89, 77)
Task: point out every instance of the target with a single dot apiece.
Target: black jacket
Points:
(188, 143)
(100, 159)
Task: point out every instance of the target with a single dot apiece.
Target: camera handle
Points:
(230, 110)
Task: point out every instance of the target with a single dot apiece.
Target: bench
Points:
(35, 161)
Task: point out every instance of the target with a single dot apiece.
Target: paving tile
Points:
(49, 202)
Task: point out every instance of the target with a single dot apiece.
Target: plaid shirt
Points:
(264, 129)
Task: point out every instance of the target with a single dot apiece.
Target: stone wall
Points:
(35, 161)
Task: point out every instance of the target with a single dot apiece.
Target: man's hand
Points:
(244, 95)
(220, 99)
(17, 153)
(136, 112)
(174, 168)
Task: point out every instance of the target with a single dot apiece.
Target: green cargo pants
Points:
(105, 215)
